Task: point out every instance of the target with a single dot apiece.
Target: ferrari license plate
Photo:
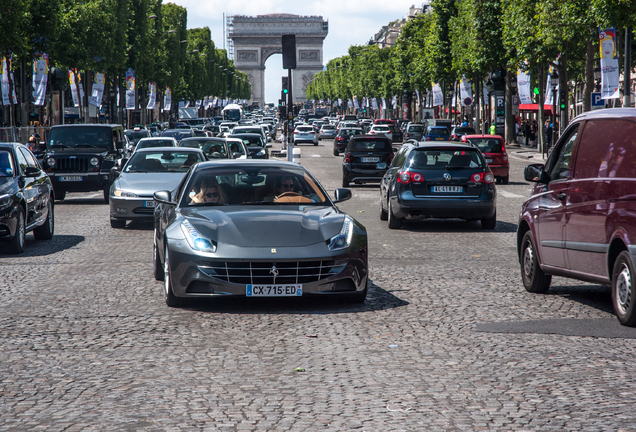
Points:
(71, 178)
(274, 290)
(149, 203)
(370, 159)
(448, 189)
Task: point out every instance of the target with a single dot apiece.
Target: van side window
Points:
(561, 169)
(607, 149)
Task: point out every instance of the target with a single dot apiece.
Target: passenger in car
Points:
(209, 192)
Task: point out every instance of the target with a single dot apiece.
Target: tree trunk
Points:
(509, 119)
(541, 114)
(589, 74)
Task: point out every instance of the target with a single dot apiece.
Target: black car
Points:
(342, 138)
(366, 159)
(256, 228)
(79, 157)
(396, 134)
(459, 131)
(26, 198)
(256, 147)
(438, 180)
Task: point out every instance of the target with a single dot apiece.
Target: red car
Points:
(493, 149)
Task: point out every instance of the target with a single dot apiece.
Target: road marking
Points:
(316, 156)
(510, 194)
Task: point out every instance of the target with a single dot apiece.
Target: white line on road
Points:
(510, 194)
(316, 156)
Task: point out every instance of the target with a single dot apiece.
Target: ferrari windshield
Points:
(252, 185)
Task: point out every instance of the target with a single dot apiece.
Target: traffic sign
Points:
(468, 101)
(597, 102)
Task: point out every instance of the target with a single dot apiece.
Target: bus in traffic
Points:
(233, 112)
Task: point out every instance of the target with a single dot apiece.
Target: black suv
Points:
(366, 159)
(26, 198)
(79, 157)
(342, 138)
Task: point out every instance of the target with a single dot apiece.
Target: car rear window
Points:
(437, 131)
(416, 128)
(487, 145)
(370, 145)
(464, 130)
(439, 159)
(349, 132)
(305, 129)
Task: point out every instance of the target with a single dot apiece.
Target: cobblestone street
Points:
(448, 339)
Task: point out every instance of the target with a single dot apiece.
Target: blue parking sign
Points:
(597, 102)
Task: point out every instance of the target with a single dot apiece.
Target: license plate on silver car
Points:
(274, 290)
(448, 189)
(149, 203)
(370, 159)
(71, 178)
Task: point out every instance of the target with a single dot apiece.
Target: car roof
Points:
(171, 149)
(246, 135)
(627, 113)
(483, 136)
(254, 162)
(8, 145)
(446, 144)
(369, 138)
(212, 139)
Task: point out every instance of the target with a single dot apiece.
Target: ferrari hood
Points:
(275, 226)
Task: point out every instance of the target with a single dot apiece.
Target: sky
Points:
(351, 22)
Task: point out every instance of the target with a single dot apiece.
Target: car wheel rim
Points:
(624, 288)
(528, 259)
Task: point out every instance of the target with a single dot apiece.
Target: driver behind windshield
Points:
(282, 184)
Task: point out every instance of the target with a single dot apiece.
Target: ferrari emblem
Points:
(273, 250)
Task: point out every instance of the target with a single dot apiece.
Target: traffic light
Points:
(498, 79)
(563, 99)
(289, 51)
(285, 85)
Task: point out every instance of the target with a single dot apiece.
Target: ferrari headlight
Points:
(94, 161)
(124, 194)
(195, 239)
(342, 240)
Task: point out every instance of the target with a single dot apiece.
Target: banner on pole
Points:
(438, 96)
(152, 95)
(609, 64)
(40, 77)
(75, 81)
(167, 99)
(523, 86)
(4, 81)
(98, 90)
(131, 86)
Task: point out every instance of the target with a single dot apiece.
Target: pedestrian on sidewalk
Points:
(527, 130)
(492, 128)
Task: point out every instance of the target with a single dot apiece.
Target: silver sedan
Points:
(147, 171)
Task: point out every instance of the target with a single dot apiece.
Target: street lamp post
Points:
(554, 80)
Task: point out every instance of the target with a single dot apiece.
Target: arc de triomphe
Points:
(255, 39)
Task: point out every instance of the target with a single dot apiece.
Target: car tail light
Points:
(406, 177)
(295, 132)
(312, 132)
(347, 158)
(371, 132)
(340, 139)
(406, 135)
(505, 157)
(391, 156)
(483, 177)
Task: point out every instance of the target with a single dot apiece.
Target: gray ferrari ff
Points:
(147, 171)
(256, 228)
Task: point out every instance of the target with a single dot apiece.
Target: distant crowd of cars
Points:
(230, 221)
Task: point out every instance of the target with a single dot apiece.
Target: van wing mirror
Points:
(535, 173)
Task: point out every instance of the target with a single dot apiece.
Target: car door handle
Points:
(561, 196)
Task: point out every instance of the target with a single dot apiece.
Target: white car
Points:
(382, 130)
(305, 133)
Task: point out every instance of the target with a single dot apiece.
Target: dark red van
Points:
(580, 221)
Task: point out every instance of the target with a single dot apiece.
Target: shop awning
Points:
(547, 109)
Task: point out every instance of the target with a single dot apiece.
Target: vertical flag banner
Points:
(40, 77)
(4, 82)
(374, 103)
(198, 104)
(417, 92)
(548, 89)
(71, 81)
(152, 95)
(383, 103)
(484, 87)
(438, 97)
(97, 93)
(394, 102)
(466, 92)
(609, 64)
(131, 85)
(454, 100)
(167, 99)
(523, 86)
